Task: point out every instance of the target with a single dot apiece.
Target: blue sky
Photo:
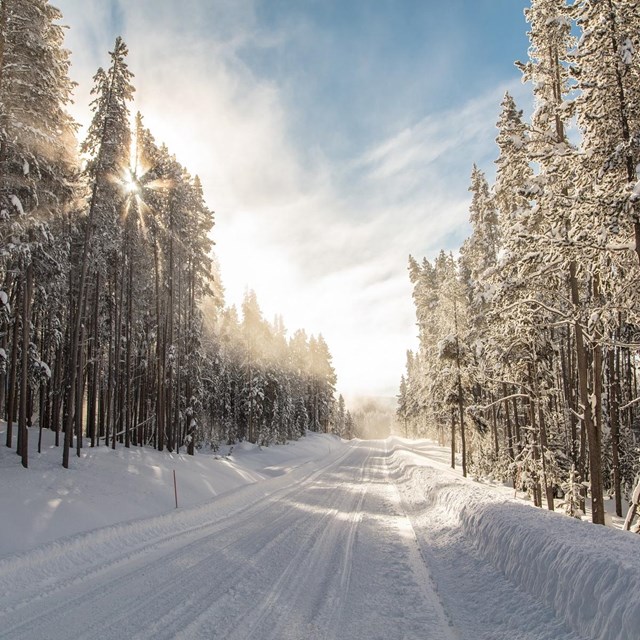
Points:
(359, 69)
(333, 139)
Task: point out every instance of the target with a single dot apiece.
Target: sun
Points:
(130, 182)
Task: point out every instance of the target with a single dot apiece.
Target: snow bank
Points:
(589, 575)
(104, 487)
(94, 492)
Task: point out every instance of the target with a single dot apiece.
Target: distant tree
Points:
(339, 420)
(402, 410)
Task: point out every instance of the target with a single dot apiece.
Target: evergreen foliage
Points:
(542, 361)
(112, 321)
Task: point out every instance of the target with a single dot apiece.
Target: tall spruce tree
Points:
(108, 144)
(37, 185)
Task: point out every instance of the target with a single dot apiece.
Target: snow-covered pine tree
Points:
(401, 407)
(349, 426)
(107, 144)
(555, 193)
(523, 304)
(607, 71)
(37, 182)
(477, 262)
(433, 402)
(510, 279)
(339, 420)
(323, 381)
(301, 377)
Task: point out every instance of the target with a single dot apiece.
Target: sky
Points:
(333, 139)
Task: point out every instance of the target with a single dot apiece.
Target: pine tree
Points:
(37, 178)
(401, 409)
(108, 143)
(323, 381)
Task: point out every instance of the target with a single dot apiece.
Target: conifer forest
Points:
(113, 324)
(529, 333)
(113, 329)
(177, 463)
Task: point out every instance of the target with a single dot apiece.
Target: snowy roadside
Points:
(106, 487)
(501, 569)
(588, 575)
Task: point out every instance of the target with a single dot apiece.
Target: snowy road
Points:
(326, 550)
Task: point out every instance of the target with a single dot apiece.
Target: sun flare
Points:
(130, 182)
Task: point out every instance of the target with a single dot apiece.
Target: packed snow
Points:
(320, 538)
(107, 486)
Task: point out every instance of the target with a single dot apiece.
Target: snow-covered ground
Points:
(511, 570)
(316, 539)
(106, 486)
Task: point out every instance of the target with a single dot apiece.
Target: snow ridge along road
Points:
(343, 547)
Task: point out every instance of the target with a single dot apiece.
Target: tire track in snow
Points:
(91, 582)
(419, 563)
(283, 598)
(143, 584)
(101, 550)
(338, 605)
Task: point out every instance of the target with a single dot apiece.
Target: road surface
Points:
(333, 549)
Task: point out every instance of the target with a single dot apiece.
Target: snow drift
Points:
(587, 574)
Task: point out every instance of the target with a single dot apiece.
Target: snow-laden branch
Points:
(484, 407)
(625, 246)
(580, 416)
(630, 404)
(537, 303)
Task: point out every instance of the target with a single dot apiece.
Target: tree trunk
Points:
(23, 437)
(80, 392)
(463, 439)
(160, 356)
(94, 358)
(535, 454)
(591, 428)
(509, 430)
(494, 426)
(13, 375)
(614, 423)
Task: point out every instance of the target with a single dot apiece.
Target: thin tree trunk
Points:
(509, 430)
(13, 375)
(80, 393)
(94, 366)
(169, 327)
(453, 438)
(516, 426)
(3, 375)
(130, 379)
(494, 426)
(614, 422)
(160, 357)
(57, 393)
(463, 439)
(535, 454)
(109, 422)
(23, 436)
(591, 428)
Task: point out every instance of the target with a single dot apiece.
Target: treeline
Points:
(374, 418)
(528, 358)
(105, 268)
(262, 387)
